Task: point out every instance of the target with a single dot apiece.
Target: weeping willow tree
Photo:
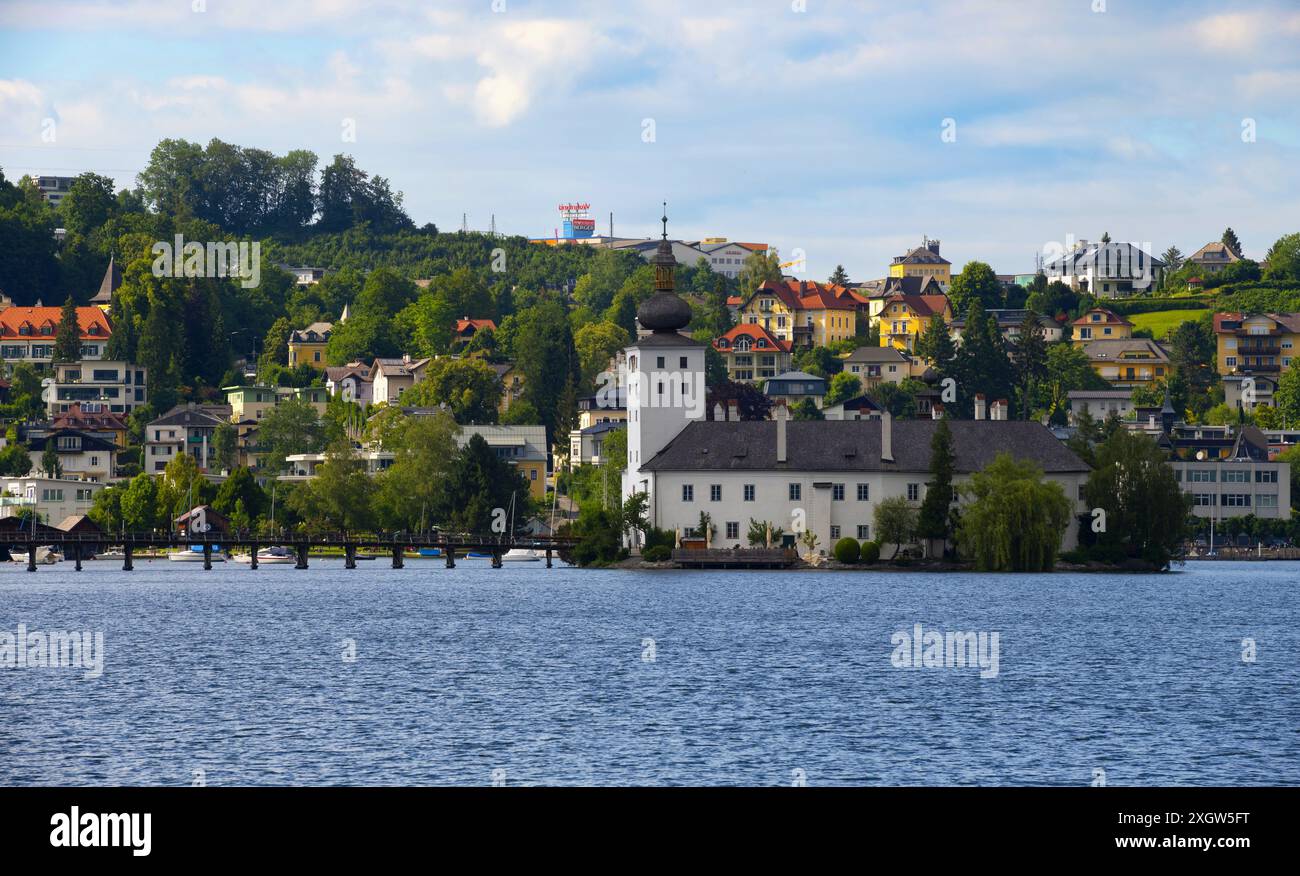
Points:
(1014, 520)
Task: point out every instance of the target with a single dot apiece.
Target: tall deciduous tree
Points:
(976, 282)
(1145, 507)
(1014, 520)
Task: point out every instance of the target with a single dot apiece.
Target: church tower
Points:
(666, 388)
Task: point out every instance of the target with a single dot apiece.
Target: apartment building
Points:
(116, 386)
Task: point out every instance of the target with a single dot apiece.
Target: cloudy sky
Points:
(847, 130)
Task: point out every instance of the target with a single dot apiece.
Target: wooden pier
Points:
(741, 558)
(78, 546)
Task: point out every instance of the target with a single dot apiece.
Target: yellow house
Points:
(1262, 343)
(512, 384)
(905, 318)
(1128, 362)
(1100, 324)
(803, 312)
(924, 261)
(308, 345)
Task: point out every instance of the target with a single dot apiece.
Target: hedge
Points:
(870, 552)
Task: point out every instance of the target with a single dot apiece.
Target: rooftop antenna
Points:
(493, 231)
(611, 223)
(464, 222)
(664, 219)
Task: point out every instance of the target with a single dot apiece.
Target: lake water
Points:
(526, 675)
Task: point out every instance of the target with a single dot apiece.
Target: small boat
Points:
(44, 556)
(479, 555)
(268, 556)
(195, 555)
(430, 552)
(520, 555)
(115, 554)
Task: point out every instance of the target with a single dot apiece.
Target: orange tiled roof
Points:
(809, 295)
(476, 324)
(12, 319)
(752, 330)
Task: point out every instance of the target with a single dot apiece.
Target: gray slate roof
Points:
(854, 445)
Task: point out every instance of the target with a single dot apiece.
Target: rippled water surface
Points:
(564, 676)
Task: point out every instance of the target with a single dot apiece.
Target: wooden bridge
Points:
(85, 545)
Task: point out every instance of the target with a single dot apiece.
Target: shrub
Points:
(847, 550)
(657, 553)
(870, 552)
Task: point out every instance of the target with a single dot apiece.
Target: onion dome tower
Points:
(665, 311)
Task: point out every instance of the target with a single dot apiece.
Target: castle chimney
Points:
(936, 411)
(733, 411)
(979, 405)
(886, 436)
(719, 414)
(999, 410)
(932, 246)
(781, 415)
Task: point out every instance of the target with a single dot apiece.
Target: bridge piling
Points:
(76, 555)
(127, 565)
(496, 559)
(207, 556)
(350, 556)
(31, 558)
(302, 556)
(450, 554)
(548, 558)
(252, 555)
(397, 557)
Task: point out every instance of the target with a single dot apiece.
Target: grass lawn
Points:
(1162, 322)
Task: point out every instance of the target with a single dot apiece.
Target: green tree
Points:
(468, 387)
(292, 426)
(1014, 520)
(838, 277)
(596, 343)
(341, 495)
(240, 488)
(410, 489)
(478, 482)
(1287, 397)
(844, 386)
(88, 204)
(1145, 508)
(936, 347)
(139, 504)
(976, 282)
(225, 444)
(1284, 259)
(806, 409)
(1230, 240)
(935, 518)
(1030, 360)
(67, 337)
(51, 467)
(15, 460)
(759, 268)
(895, 520)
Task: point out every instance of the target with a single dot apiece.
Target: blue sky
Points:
(816, 130)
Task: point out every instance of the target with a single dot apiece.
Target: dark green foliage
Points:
(870, 552)
(847, 550)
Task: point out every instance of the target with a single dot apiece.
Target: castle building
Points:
(826, 476)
